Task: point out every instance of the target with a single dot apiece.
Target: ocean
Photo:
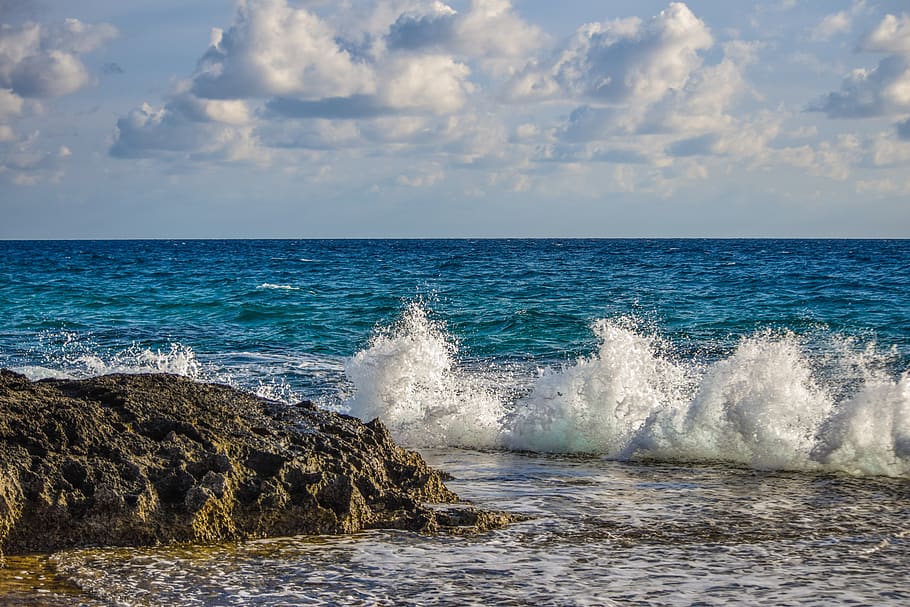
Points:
(686, 422)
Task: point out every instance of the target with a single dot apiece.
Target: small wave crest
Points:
(772, 403)
(75, 358)
(408, 376)
(274, 287)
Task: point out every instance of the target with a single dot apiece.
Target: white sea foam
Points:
(409, 378)
(274, 287)
(772, 403)
(77, 360)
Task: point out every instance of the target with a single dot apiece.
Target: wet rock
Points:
(144, 459)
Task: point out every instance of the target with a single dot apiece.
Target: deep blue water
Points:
(538, 339)
(501, 297)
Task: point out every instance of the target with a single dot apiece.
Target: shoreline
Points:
(134, 460)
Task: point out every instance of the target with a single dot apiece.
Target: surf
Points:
(777, 401)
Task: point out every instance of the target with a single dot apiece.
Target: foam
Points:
(274, 287)
(773, 402)
(78, 360)
(408, 378)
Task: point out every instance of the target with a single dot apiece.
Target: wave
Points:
(287, 378)
(774, 402)
(275, 287)
(407, 377)
(75, 359)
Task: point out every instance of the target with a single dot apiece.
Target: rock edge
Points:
(129, 460)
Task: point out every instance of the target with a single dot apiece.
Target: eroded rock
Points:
(145, 459)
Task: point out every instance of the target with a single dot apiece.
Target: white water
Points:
(773, 402)
(75, 359)
(408, 377)
(770, 404)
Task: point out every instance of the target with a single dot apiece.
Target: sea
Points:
(684, 422)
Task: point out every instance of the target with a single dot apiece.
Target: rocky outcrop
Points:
(146, 459)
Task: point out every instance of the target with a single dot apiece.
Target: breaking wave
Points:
(774, 402)
(70, 356)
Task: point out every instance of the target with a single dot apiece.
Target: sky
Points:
(463, 118)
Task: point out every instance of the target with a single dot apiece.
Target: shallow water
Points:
(602, 533)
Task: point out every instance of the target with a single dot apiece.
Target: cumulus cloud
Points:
(489, 32)
(883, 90)
(41, 61)
(290, 63)
(892, 35)
(274, 49)
(459, 88)
(433, 28)
(37, 62)
(24, 163)
(625, 61)
(10, 105)
(191, 127)
(432, 83)
(837, 23)
(884, 150)
(699, 111)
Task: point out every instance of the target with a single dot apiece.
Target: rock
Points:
(125, 460)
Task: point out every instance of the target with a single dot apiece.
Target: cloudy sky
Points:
(480, 118)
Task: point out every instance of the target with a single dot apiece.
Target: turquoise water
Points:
(766, 352)
(714, 421)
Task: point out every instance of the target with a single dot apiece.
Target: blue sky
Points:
(476, 118)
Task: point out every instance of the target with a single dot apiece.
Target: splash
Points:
(773, 403)
(67, 355)
(408, 378)
(761, 407)
(600, 403)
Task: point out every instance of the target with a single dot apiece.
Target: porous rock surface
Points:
(126, 460)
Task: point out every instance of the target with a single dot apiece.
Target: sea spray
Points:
(769, 404)
(869, 433)
(68, 355)
(761, 406)
(408, 378)
(599, 404)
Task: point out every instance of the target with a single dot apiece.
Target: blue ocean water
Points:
(771, 353)
(707, 422)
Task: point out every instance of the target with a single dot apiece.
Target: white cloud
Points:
(887, 151)
(39, 61)
(10, 104)
(694, 120)
(429, 176)
(188, 128)
(831, 159)
(837, 23)
(412, 78)
(830, 26)
(882, 187)
(281, 64)
(432, 83)
(892, 35)
(489, 32)
(883, 90)
(626, 61)
(24, 163)
(273, 49)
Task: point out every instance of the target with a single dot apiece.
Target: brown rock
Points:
(145, 459)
